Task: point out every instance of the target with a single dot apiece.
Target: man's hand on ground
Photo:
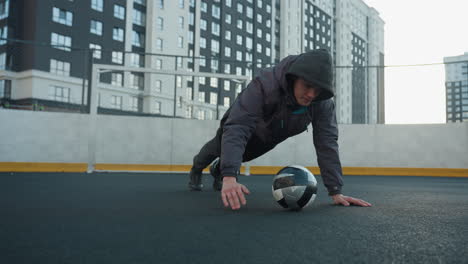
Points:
(347, 200)
(232, 193)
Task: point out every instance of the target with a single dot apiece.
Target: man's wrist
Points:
(229, 179)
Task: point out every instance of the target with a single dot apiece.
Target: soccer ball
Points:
(294, 187)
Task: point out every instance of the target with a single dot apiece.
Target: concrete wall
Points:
(27, 136)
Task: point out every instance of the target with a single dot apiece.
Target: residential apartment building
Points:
(456, 87)
(236, 37)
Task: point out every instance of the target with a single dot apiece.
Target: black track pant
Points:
(212, 150)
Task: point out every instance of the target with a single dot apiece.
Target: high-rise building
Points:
(236, 37)
(359, 42)
(456, 87)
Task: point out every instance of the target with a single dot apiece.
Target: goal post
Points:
(98, 69)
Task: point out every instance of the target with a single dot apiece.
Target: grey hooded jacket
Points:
(266, 113)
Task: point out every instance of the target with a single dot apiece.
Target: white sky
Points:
(416, 32)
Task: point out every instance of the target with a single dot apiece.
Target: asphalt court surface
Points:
(153, 218)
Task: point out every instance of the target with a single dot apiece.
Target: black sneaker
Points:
(195, 183)
(218, 180)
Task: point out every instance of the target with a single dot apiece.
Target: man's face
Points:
(304, 92)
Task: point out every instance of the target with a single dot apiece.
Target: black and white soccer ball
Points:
(294, 187)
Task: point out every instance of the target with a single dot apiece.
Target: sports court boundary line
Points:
(158, 168)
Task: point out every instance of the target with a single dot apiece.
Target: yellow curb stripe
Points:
(42, 167)
(143, 167)
(82, 167)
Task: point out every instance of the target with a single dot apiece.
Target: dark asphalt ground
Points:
(153, 218)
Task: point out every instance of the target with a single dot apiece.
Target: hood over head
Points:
(316, 68)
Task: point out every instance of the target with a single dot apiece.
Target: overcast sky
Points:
(418, 32)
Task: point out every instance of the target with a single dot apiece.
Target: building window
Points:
(259, 33)
(60, 41)
(227, 85)
(160, 23)
(213, 98)
(202, 42)
(188, 111)
(179, 101)
(180, 42)
(134, 103)
(96, 50)
(189, 93)
(96, 27)
(161, 4)
(117, 79)
(119, 12)
(159, 64)
(62, 16)
(136, 81)
(214, 82)
(190, 35)
(97, 5)
(238, 55)
(249, 27)
(248, 43)
(202, 61)
(116, 102)
(227, 35)
(201, 97)
(117, 57)
(239, 40)
(215, 11)
(240, 8)
(240, 24)
(157, 107)
(3, 34)
(61, 94)
(191, 19)
(259, 18)
(259, 48)
(159, 44)
(201, 115)
(179, 63)
(249, 12)
(181, 22)
(215, 46)
(138, 39)
(227, 101)
(204, 7)
(4, 8)
(215, 28)
(202, 80)
(2, 61)
(60, 67)
(136, 60)
(228, 18)
(248, 56)
(203, 24)
(178, 82)
(158, 86)
(181, 4)
(139, 17)
(118, 34)
(227, 51)
(227, 68)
